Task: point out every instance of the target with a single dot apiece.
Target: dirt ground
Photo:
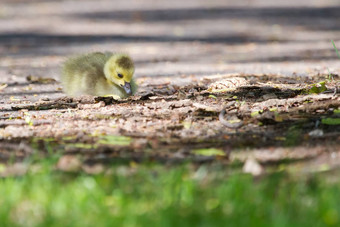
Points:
(219, 81)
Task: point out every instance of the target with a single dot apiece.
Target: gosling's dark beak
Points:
(127, 88)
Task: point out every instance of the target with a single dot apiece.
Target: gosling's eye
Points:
(120, 75)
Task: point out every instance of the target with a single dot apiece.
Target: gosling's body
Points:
(99, 74)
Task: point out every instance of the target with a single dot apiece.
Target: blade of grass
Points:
(336, 50)
(330, 77)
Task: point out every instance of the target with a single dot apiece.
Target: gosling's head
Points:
(119, 70)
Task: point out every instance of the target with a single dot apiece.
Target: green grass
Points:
(336, 50)
(149, 195)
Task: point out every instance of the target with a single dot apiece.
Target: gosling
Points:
(99, 74)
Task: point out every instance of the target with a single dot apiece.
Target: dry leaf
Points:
(227, 84)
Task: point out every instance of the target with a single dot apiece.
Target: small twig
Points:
(335, 90)
(46, 106)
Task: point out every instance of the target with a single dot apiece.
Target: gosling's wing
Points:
(93, 63)
(80, 74)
